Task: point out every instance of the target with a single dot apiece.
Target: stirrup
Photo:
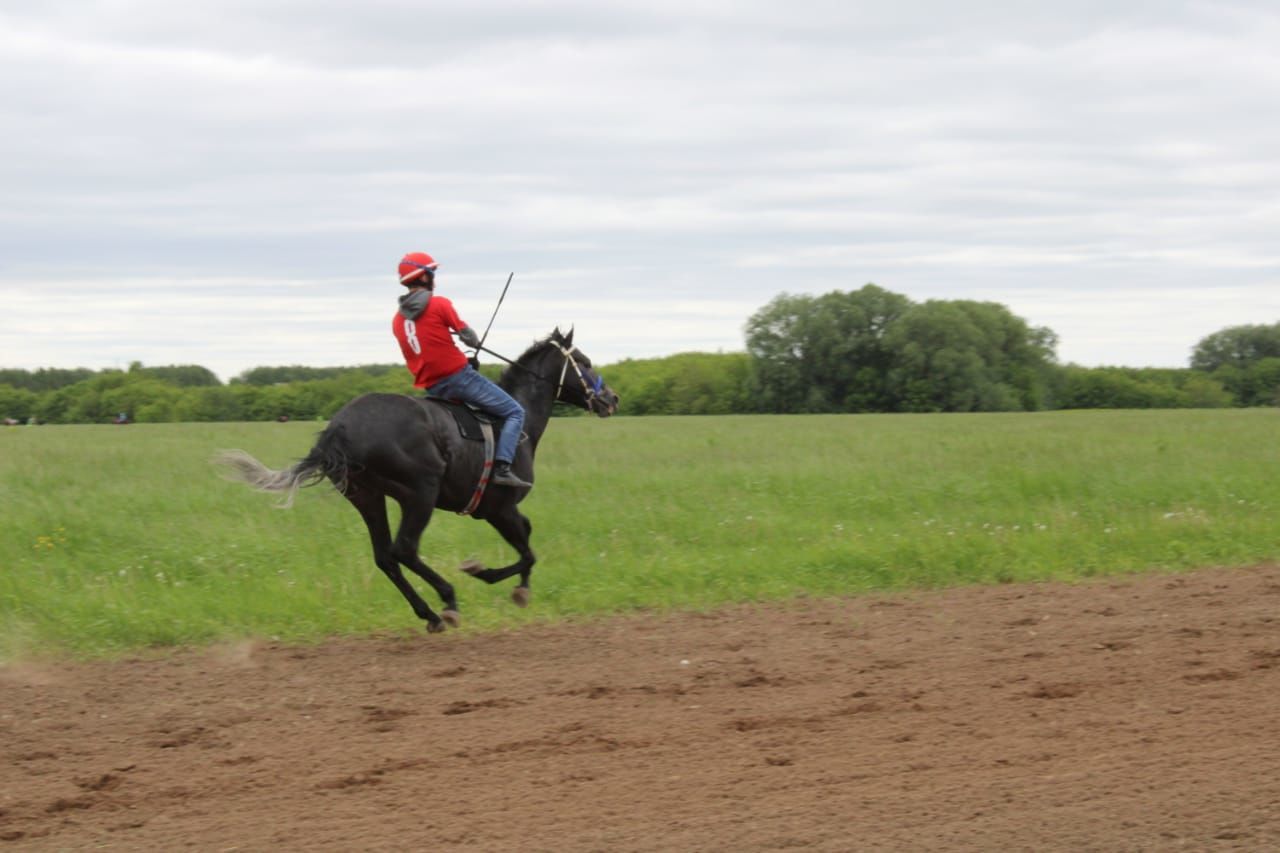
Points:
(504, 476)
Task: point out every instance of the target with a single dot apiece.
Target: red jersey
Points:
(429, 351)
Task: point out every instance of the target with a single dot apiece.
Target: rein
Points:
(591, 390)
(483, 348)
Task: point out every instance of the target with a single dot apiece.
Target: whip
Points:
(495, 314)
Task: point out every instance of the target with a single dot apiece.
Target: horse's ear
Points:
(568, 339)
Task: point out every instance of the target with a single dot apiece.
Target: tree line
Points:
(868, 350)
(871, 350)
(193, 393)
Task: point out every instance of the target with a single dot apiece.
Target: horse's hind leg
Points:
(415, 514)
(516, 529)
(373, 509)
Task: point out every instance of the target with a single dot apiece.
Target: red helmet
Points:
(415, 265)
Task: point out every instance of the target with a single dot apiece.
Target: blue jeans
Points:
(470, 386)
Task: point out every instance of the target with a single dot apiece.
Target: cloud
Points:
(257, 165)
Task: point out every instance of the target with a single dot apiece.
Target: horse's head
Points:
(579, 384)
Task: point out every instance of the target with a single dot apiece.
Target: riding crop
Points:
(495, 315)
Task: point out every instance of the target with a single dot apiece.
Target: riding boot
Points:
(504, 476)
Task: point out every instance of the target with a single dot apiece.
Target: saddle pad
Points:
(467, 418)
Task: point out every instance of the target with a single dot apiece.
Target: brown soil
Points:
(1132, 714)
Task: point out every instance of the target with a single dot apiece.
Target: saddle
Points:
(468, 419)
(473, 425)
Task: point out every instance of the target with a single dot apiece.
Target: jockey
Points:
(422, 326)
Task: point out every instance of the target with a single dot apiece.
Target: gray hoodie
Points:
(413, 303)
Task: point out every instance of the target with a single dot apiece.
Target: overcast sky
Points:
(232, 183)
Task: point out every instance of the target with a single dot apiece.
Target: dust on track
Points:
(1124, 714)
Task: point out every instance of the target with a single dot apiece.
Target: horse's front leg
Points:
(516, 529)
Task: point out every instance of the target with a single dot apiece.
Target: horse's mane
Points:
(524, 364)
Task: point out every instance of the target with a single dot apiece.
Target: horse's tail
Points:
(328, 458)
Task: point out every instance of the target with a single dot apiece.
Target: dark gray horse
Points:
(410, 450)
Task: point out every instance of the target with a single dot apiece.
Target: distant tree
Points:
(825, 353)
(964, 356)
(1205, 392)
(143, 397)
(44, 378)
(17, 403)
(642, 384)
(1139, 388)
(182, 375)
(100, 399)
(1113, 388)
(691, 383)
(263, 376)
(300, 373)
(776, 340)
(1237, 346)
(53, 407)
(1253, 384)
(709, 383)
(208, 403)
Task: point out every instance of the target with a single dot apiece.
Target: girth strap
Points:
(486, 470)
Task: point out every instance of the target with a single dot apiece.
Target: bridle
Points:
(590, 389)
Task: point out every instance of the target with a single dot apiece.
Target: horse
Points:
(409, 449)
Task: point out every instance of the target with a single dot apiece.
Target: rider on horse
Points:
(422, 326)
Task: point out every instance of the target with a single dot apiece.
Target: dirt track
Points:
(1132, 714)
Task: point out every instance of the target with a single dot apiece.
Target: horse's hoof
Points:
(451, 617)
(435, 627)
(472, 567)
(520, 595)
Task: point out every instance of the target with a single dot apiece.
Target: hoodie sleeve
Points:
(469, 337)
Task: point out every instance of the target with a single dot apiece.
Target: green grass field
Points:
(116, 538)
